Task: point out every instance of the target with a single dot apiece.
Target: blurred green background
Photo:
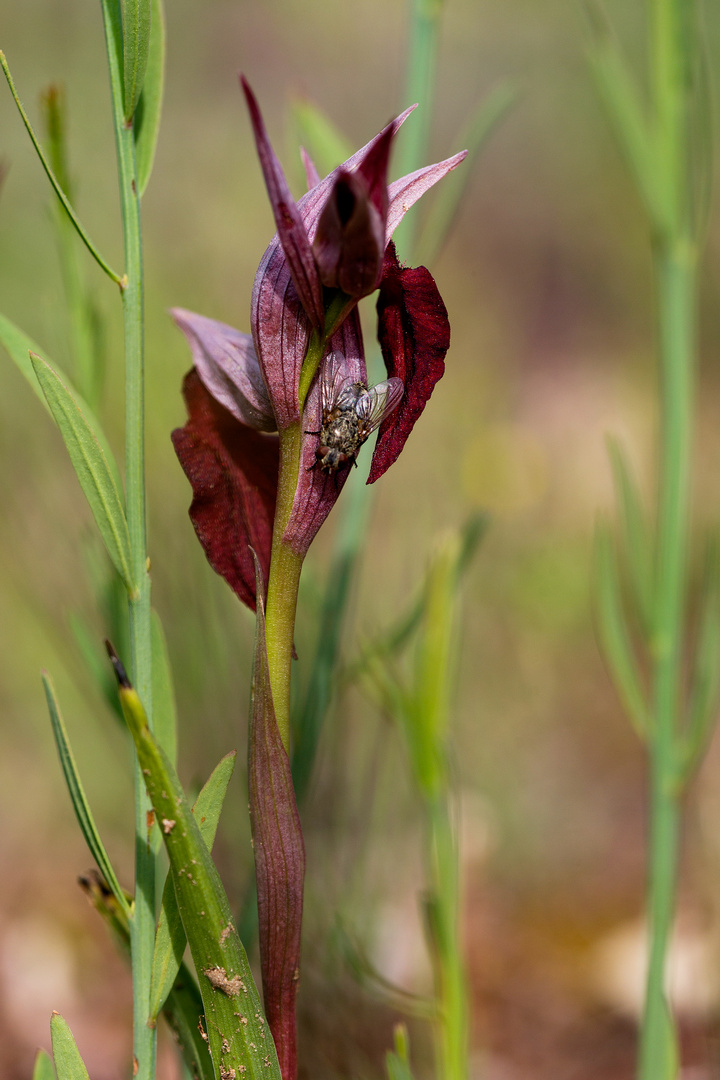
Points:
(547, 280)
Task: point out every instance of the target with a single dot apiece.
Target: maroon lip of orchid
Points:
(334, 243)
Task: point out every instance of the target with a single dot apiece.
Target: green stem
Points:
(285, 564)
(283, 583)
(676, 271)
(419, 88)
(142, 929)
(449, 973)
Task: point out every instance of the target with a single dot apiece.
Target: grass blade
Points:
(149, 107)
(183, 1011)
(325, 143)
(614, 637)
(77, 795)
(51, 177)
(620, 96)
(83, 317)
(170, 938)
(43, 1068)
(183, 1007)
(136, 42)
(69, 1064)
(397, 1061)
(19, 347)
(237, 1034)
(91, 468)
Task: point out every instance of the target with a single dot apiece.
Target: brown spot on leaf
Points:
(168, 825)
(217, 976)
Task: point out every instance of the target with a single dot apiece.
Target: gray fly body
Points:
(350, 414)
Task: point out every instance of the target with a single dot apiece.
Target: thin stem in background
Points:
(676, 293)
(673, 61)
(419, 88)
(142, 930)
(451, 988)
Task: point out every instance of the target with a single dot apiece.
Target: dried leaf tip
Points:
(120, 672)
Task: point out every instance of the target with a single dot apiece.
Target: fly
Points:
(350, 413)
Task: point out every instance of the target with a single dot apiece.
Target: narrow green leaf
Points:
(81, 311)
(115, 916)
(77, 794)
(69, 1064)
(183, 1007)
(614, 637)
(238, 1036)
(660, 1057)
(164, 711)
(426, 730)
(55, 114)
(636, 536)
(326, 144)
(51, 177)
(620, 95)
(113, 26)
(43, 1069)
(449, 194)
(91, 468)
(309, 717)
(19, 347)
(398, 1060)
(183, 1011)
(136, 43)
(705, 684)
(170, 938)
(147, 115)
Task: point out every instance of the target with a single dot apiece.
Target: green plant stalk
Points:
(451, 991)
(676, 271)
(283, 582)
(675, 259)
(142, 928)
(419, 87)
(286, 564)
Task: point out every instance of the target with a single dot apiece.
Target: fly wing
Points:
(375, 404)
(333, 380)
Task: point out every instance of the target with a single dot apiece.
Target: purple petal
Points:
(226, 362)
(318, 491)
(291, 230)
(233, 471)
(414, 335)
(279, 854)
(374, 169)
(407, 190)
(280, 327)
(350, 239)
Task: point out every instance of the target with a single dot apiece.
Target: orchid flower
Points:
(259, 498)
(331, 248)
